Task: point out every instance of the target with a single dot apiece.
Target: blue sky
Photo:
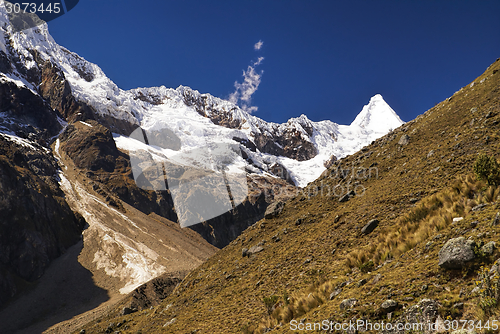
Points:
(322, 58)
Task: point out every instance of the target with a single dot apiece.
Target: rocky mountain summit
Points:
(98, 180)
(415, 248)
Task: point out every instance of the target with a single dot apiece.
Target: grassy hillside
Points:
(414, 181)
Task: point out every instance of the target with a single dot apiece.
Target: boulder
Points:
(244, 252)
(347, 196)
(456, 253)
(370, 226)
(128, 310)
(348, 303)
(335, 293)
(404, 140)
(362, 282)
(389, 306)
(489, 248)
(255, 249)
(274, 209)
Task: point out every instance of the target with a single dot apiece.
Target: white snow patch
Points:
(19, 141)
(87, 124)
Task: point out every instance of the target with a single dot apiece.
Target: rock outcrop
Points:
(91, 147)
(153, 292)
(370, 226)
(456, 253)
(36, 224)
(420, 317)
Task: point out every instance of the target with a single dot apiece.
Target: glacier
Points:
(193, 119)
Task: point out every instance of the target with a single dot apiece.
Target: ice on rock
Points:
(184, 115)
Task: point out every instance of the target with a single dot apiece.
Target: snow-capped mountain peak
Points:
(377, 116)
(188, 118)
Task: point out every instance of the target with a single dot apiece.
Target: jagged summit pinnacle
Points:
(377, 116)
(301, 146)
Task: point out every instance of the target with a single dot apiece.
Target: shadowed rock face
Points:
(153, 292)
(57, 91)
(92, 148)
(26, 114)
(36, 224)
(262, 191)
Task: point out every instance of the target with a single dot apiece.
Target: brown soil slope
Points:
(408, 181)
(122, 248)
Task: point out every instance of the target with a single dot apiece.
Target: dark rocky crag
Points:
(36, 224)
(289, 143)
(93, 150)
(26, 114)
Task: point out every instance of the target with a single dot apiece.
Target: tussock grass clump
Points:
(432, 214)
(292, 307)
(270, 303)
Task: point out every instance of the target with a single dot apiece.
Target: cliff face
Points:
(92, 149)
(415, 243)
(26, 114)
(36, 224)
(66, 163)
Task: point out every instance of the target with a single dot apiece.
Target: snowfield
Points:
(184, 116)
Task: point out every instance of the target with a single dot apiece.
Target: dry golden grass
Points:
(296, 306)
(431, 215)
(209, 302)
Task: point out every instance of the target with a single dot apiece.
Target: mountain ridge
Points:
(123, 111)
(374, 256)
(56, 102)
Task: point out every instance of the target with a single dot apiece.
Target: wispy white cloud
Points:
(251, 81)
(245, 89)
(258, 45)
(259, 60)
